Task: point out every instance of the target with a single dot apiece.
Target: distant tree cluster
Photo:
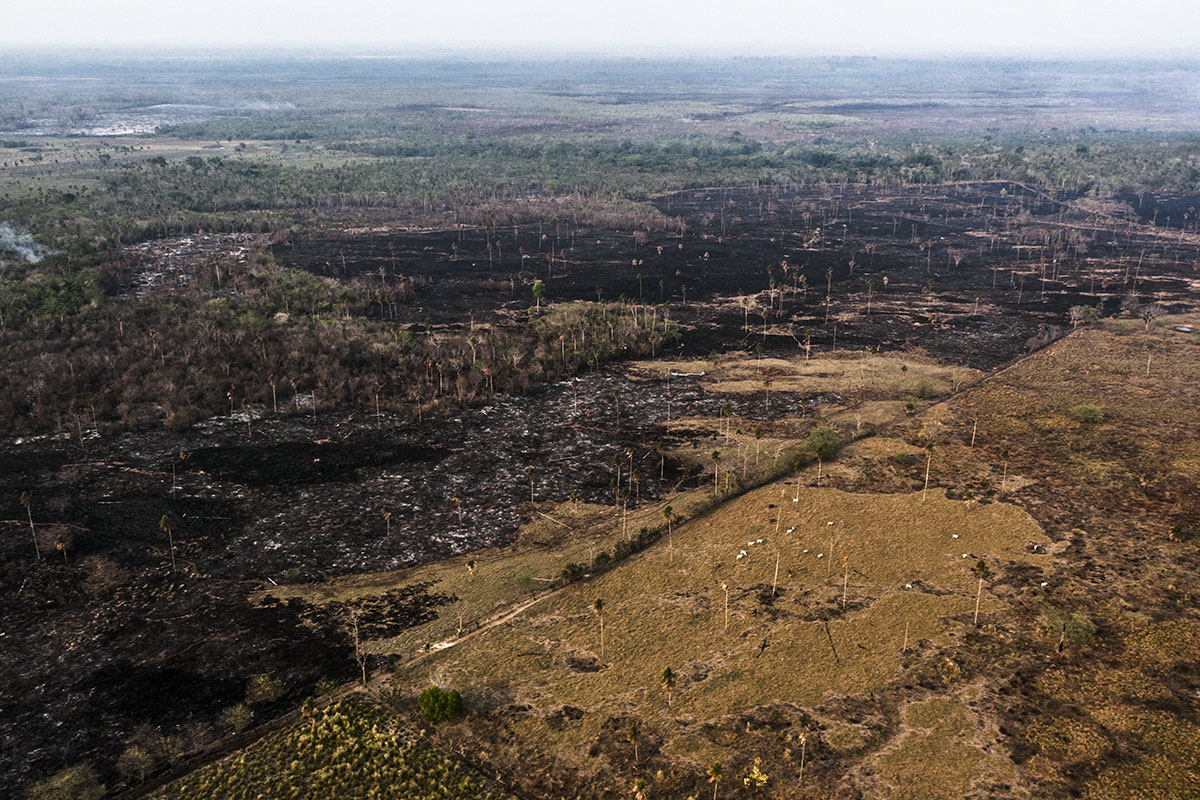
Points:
(292, 343)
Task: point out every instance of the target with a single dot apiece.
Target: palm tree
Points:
(26, 499)
(669, 515)
(308, 710)
(668, 683)
(529, 473)
(633, 738)
(386, 511)
(716, 459)
(803, 743)
(598, 610)
(639, 789)
(165, 525)
(714, 776)
(471, 568)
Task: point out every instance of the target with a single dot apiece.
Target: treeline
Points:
(423, 173)
(293, 343)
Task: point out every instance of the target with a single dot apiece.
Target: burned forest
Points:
(796, 428)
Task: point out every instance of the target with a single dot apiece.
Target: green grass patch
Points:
(353, 749)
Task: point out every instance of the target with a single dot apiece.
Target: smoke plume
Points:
(14, 241)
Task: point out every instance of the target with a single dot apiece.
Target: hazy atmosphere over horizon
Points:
(1095, 29)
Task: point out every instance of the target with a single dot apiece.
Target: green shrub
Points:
(1076, 627)
(925, 390)
(262, 690)
(1087, 412)
(573, 572)
(905, 459)
(73, 783)
(439, 706)
(135, 763)
(823, 442)
(236, 718)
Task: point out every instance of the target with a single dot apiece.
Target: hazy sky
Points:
(1097, 27)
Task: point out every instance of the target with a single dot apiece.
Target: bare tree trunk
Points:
(978, 597)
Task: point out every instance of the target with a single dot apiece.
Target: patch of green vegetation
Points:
(439, 705)
(73, 783)
(351, 749)
(1088, 412)
(1075, 627)
(823, 441)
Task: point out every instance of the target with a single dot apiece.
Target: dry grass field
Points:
(833, 622)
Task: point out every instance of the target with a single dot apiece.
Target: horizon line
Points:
(546, 52)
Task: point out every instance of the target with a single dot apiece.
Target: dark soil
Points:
(253, 501)
(977, 310)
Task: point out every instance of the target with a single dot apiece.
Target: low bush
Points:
(440, 706)
(263, 690)
(236, 718)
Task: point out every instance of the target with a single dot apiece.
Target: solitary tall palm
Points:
(598, 610)
(716, 459)
(668, 683)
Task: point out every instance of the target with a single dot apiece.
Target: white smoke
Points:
(14, 241)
